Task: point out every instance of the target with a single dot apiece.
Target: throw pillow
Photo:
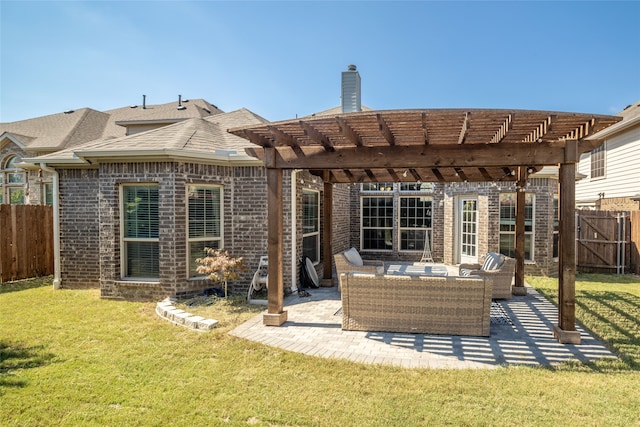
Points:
(354, 257)
(492, 261)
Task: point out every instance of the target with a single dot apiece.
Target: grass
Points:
(69, 358)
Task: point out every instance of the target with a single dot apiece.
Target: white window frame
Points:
(531, 233)
(428, 230)
(379, 195)
(7, 187)
(600, 151)
(218, 239)
(124, 240)
(315, 233)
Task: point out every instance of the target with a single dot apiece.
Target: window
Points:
(556, 226)
(311, 225)
(415, 222)
(12, 181)
(377, 186)
(47, 193)
(597, 162)
(508, 225)
(205, 222)
(416, 186)
(377, 223)
(140, 231)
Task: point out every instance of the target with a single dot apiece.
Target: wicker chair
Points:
(502, 273)
(344, 264)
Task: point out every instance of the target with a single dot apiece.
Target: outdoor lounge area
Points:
(420, 297)
(521, 334)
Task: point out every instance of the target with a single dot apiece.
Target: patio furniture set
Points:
(421, 297)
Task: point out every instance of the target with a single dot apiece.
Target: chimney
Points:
(351, 90)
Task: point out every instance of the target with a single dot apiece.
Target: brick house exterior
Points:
(445, 234)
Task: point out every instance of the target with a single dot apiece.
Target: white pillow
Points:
(353, 257)
(493, 261)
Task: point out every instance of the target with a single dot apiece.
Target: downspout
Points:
(57, 281)
(294, 237)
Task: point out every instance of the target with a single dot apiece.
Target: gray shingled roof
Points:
(194, 138)
(64, 130)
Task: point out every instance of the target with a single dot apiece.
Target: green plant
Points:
(219, 266)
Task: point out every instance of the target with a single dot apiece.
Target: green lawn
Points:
(69, 358)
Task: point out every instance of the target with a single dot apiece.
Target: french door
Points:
(468, 230)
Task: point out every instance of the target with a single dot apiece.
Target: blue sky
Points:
(282, 59)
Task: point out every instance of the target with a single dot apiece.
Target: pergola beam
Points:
(416, 156)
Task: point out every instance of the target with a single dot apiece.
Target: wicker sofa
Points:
(416, 304)
(499, 268)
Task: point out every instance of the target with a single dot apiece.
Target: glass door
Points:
(468, 230)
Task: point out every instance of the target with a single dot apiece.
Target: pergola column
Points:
(519, 288)
(565, 331)
(275, 315)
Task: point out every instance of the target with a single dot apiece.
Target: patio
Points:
(521, 334)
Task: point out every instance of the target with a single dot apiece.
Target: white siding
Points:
(622, 169)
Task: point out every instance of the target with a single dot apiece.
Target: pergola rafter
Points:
(439, 145)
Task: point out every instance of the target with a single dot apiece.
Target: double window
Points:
(205, 222)
(508, 225)
(140, 227)
(12, 181)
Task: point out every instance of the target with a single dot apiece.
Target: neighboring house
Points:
(23, 184)
(611, 181)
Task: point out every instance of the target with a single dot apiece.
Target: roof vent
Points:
(207, 110)
(133, 106)
(182, 107)
(69, 111)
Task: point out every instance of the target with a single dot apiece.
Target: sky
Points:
(284, 59)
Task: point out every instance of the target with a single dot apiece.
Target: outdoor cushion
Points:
(354, 257)
(493, 261)
(465, 272)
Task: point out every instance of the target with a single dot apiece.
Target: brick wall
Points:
(80, 247)
(618, 204)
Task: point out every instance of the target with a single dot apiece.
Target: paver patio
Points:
(521, 334)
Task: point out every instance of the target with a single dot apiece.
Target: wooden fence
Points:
(605, 241)
(26, 241)
(635, 242)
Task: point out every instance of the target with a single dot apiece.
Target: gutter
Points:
(57, 281)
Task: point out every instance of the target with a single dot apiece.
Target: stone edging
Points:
(168, 312)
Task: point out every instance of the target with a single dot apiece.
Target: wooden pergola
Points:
(434, 145)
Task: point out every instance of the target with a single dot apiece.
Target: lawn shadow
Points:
(614, 319)
(16, 357)
(21, 285)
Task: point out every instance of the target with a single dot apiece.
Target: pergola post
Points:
(275, 315)
(521, 184)
(565, 331)
(327, 249)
